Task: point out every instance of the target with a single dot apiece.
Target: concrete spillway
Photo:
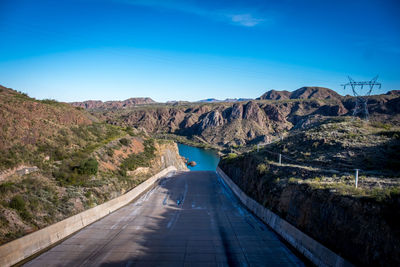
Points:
(191, 218)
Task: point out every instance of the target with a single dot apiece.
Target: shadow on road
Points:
(192, 219)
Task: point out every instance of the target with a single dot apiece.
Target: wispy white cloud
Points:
(246, 17)
(246, 20)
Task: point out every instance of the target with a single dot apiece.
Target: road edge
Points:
(17, 250)
(317, 253)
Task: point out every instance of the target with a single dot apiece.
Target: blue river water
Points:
(206, 160)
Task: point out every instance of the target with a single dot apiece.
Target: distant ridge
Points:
(213, 100)
(130, 102)
(306, 92)
(275, 95)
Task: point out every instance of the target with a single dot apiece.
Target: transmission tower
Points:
(361, 98)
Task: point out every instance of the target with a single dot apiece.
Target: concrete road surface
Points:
(189, 219)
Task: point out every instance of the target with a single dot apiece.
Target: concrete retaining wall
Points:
(314, 251)
(21, 248)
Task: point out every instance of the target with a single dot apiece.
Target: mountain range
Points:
(227, 124)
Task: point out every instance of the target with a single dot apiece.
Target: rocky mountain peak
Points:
(237, 112)
(275, 95)
(314, 92)
(306, 92)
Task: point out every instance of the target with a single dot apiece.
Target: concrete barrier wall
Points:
(311, 249)
(22, 248)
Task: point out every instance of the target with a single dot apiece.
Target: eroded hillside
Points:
(249, 122)
(57, 160)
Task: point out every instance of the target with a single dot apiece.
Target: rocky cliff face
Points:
(227, 124)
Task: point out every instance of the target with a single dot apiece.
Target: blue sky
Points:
(190, 50)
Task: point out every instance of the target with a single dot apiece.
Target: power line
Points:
(361, 99)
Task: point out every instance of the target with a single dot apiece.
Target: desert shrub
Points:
(381, 125)
(315, 145)
(88, 166)
(50, 102)
(124, 141)
(110, 151)
(7, 187)
(231, 156)
(17, 203)
(130, 131)
(262, 168)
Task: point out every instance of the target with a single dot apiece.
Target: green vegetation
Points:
(124, 141)
(231, 156)
(17, 203)
(381, 125)
(262, 168)
(50, 102)
(142, 159)
(76, 157)
(88, 167)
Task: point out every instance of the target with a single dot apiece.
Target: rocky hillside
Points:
(244, 123)
(26, 121)
(314, 188)
(275, 95)
(302, 93)
(57, 160)
(96, 104)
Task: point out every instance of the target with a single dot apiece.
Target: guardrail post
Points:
(280, 159)
(357, 177)
(258, 147)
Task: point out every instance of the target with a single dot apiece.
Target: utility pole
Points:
(357, 177)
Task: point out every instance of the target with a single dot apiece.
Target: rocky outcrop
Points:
(168, 155)
(236, 112)
(212, 119)
(252, 112)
